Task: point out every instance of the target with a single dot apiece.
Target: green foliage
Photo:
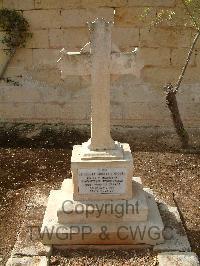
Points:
(186, 13)
(160, 15)
(192, 8)
(16, 29)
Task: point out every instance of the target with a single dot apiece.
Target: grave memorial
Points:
(103, 204)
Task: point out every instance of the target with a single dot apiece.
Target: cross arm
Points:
(74, 64)
(80, 64)
(123, 63)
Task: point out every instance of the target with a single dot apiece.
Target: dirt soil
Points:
(43, 164)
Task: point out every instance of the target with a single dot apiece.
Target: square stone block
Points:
(103, 178)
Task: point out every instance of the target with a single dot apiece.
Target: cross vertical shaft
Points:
(100, 35)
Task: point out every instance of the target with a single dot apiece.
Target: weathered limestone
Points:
(117, 160)
(165, 37)
(179, 56)
(18, 4)
(138, 111)
(149, 73)
(100, 63)
(178, 259)
(58, 24)
(50, 4)
(45, 57)
(131, 16)
(25, 261)
(40, 39)
(23, 58)
(78, 17)
(3, 59)
(2, 45)
(100, 91)
(100, 151)
(59, 38)
(174, 232)
(125, 37)
(102, 204)
(82, 227)
(151, 3)
(155, 56)
(100, 3)
(135, 209)
(72, 4)
(43, 19)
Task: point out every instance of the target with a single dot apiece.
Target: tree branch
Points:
(187, 62)
(191, 48)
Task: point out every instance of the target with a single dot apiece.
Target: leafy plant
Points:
(16, 29)
(16, 32)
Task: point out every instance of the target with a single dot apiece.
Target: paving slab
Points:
(178, 259)
(28, 261)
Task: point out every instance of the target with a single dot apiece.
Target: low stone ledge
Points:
(35, 260)
(178, 258)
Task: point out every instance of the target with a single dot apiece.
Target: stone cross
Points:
(99, 60)
(102, 170)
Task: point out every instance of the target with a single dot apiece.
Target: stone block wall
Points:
(42, 96)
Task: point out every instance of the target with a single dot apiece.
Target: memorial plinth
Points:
(107, 174)
(102, 204)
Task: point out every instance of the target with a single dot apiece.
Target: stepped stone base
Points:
(86, 153)
(87, 211)
(60, 228)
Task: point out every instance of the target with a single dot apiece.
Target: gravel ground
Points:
(166, 171)
(100, 258)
